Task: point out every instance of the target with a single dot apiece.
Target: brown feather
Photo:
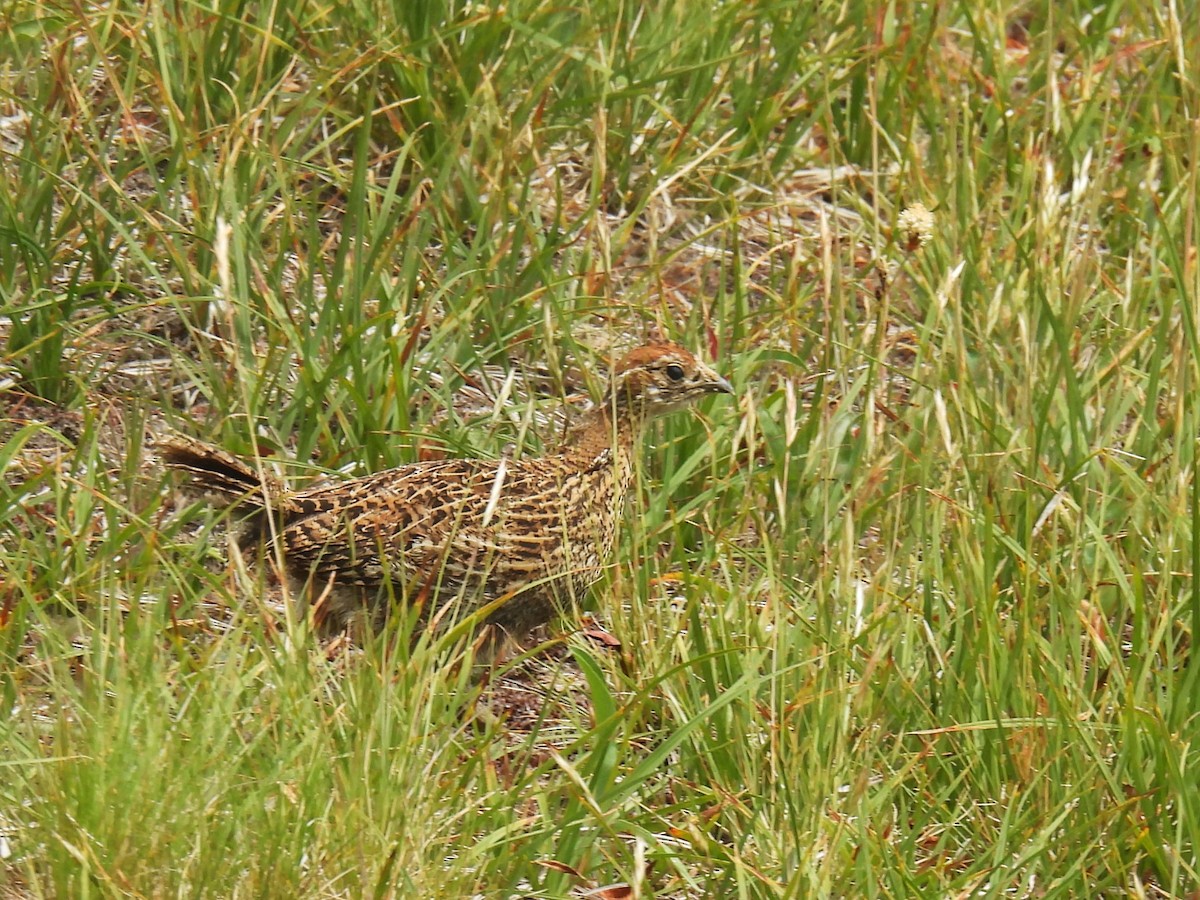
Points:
(529, 536)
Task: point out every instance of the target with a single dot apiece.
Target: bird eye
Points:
(675, 372)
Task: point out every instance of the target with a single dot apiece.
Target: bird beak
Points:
(715, 383)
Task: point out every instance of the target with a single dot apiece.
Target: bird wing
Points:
(398, 525)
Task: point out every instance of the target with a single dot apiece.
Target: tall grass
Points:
(912, 616)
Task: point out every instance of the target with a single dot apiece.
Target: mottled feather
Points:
(535, 533)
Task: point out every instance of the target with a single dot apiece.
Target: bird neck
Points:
(613, 427)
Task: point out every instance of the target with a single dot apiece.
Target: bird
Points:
(514, 541)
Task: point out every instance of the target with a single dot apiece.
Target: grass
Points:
(912, 617)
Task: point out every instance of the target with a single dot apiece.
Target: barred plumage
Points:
(458, 534)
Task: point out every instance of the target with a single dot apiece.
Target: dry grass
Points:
(913, 618)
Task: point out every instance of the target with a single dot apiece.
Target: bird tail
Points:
(220, 477)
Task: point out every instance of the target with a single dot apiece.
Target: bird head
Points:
(660, 377)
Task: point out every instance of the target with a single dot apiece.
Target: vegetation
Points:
(912, 616)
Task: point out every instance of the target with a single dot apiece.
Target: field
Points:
(911, 615)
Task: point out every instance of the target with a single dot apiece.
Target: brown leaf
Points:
(555, 866)
(602, 637)
(619, 891)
